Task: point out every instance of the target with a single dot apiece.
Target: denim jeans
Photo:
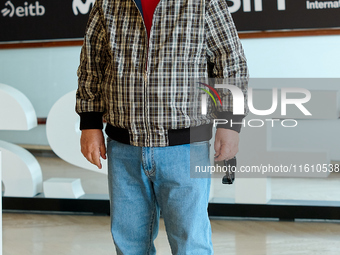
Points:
(145, 180)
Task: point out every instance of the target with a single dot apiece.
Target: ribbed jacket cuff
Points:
(232, 119)
(91, 120)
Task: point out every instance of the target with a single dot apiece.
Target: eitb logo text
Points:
(25, 10)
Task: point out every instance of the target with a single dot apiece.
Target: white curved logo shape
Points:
(63, 134)
(15, 103)
(21, 172)
(83, 8)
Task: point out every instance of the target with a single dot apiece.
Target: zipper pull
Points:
(145, 76)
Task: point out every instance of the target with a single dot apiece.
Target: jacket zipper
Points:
(148, 140)
(145, 77)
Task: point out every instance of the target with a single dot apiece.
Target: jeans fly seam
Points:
(153, 165)
(144, 163)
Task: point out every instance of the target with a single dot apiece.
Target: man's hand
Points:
(93, 146)
(226, 144)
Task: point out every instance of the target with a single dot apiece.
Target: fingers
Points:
(103, 151)
(90, 155)
(93, 146)
(226, 144)
(226, 152)
(217, 147)
(96, 159)
(93, 156)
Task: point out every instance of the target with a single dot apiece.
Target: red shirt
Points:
(148, 7)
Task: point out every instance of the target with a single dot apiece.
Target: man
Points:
(136, 65)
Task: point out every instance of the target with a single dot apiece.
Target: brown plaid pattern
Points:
(148, 90)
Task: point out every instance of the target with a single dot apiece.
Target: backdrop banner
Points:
(51, 20)
(43, 20)
(262, 15)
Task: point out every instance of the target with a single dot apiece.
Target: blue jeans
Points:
(145, 180)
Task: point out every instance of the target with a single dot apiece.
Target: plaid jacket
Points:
(144, 86)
